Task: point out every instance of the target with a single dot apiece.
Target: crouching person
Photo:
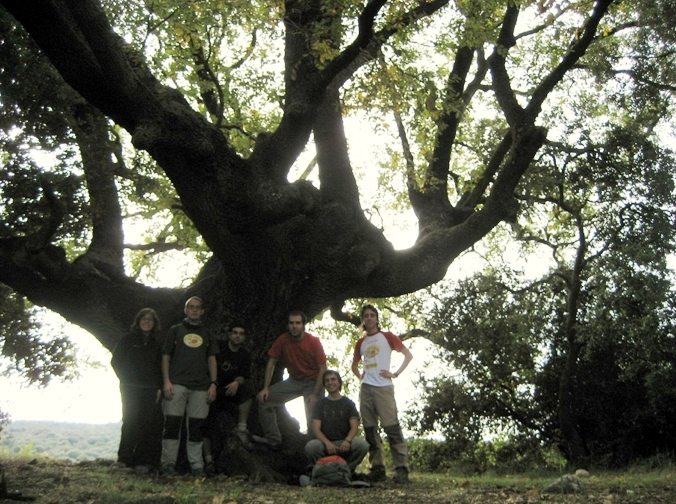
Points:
(335, 422)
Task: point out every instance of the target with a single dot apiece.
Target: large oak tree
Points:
(221, 100)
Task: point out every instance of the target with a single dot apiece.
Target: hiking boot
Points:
(377, 474)
(210, 469)
(265, 441)
(401, 476)
(357, 476)
(243, 437)
(141, 469)
(168, 470)
(198, 472)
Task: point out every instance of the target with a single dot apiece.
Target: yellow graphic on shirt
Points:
(193, 340)
(371, 353)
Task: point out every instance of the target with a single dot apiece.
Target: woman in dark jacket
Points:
(137, 361)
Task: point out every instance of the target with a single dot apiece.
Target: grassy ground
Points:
(61, 482)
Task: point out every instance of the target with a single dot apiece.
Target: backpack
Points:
(333, 471)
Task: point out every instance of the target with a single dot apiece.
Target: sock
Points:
(241, 426)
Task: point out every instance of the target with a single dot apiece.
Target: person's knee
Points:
(312, 447)
(394, 434)
(195, 426)
(360, 446)
(172, 426)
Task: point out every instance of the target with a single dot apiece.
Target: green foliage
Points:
(598, 320)
(25, 351)
(499, 456)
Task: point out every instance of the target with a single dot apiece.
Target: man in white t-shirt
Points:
(376, 397)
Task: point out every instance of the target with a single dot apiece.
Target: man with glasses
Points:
(189, 373)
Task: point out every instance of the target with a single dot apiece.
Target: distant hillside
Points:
(61, 440)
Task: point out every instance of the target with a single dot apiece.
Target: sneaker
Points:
(401, 476)
(168, 470)
(243, 437)
(210, 469)
(266, 441)
(198, 472)
(141, 469)
(377, 474)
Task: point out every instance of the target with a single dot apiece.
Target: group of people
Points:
(191, 374)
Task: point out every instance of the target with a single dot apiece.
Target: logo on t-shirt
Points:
(193, 340)
(372, 351)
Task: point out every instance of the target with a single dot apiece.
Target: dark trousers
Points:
(142, 420)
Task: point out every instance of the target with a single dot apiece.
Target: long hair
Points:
(136, 326)
(374, 310)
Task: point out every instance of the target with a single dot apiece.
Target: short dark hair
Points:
(296, 313)
(142, 313)
(236, 323)
(329, 372)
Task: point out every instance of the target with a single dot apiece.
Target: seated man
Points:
(335, 422)
(234, 387)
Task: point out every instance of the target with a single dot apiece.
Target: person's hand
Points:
(231, 388)
(211, 393)
(159, 396)
(263, 395)
(345, 446)
(331, 449)
(168, 390)
(386, 373)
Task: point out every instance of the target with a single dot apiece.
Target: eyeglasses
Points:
(147, 319)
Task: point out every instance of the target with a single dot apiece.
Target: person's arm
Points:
(355, 369)
(265, 391)
(319, 386)
(354, 428)
(356, 359)
(213, 375)
(317, 431)
(167, 387)
(407, 358)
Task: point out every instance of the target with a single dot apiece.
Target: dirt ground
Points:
(61, 482)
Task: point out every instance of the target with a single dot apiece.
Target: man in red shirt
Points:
(305, 361)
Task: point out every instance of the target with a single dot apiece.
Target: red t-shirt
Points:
(302, 358)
